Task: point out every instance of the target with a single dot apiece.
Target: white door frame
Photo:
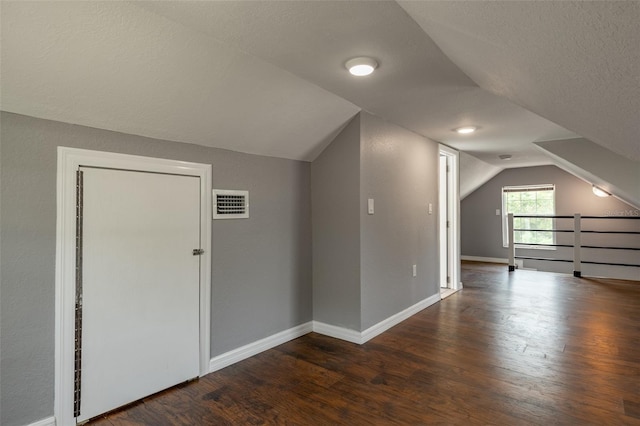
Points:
(69, 159)
(453, 199)
(443, 216)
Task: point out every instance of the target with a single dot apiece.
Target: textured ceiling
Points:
(616, 174)
(416, 85)
(575, 62)
(268, 77)
(115, 66)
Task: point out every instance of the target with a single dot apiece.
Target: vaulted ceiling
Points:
(576, 63)
(269, 78)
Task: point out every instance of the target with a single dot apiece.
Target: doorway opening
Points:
(449, 222)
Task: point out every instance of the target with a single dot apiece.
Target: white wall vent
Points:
(230, 204)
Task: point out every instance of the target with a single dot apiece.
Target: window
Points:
(531, 200)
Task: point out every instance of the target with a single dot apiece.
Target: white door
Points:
(140, 315)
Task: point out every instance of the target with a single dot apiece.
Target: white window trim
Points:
(517, 188)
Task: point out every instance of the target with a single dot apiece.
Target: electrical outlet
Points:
(497, 212)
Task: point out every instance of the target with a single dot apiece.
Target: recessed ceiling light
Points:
(599, 192)
(504, 157)
(466, 130)
(361, 66)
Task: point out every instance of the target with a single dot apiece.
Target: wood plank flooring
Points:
(510, 349)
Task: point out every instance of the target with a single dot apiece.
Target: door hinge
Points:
(447, 224)
(448, 280)
(77, 369)
(198, 252)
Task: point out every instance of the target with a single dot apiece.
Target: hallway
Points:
(510, 348)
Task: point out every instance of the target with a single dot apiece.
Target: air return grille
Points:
(230, 204)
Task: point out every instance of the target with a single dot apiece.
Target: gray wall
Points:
(335, 188)
(261, 271)
(481, 232)
(399, 170)
(362, 264)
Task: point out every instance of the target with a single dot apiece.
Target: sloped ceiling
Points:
(574, 62)
(474, 173)
(115, 66)
(416, 85)
(259, 77)
(616, 174)
(268, 77)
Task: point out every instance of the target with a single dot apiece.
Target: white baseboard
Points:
(341, 333)
(49, 421)
(446, 292)
(246, 351)
(361, 337)
(349, 335)
(485, 259)
(396, 319)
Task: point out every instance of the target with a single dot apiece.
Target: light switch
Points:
(415, 270)
(430, 208)
(370, 206)
(497, 212)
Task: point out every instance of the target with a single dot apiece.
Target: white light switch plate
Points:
(430, 208)
(370, 206)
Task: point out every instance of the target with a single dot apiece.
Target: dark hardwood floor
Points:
(510, 349)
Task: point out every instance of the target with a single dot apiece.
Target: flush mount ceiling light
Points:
(361, 66)
(599, 192)
(466, 130)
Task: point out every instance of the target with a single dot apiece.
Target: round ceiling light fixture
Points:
(599, 192)
(466, 130)
(361, 66)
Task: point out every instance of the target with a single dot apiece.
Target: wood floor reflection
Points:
(510, 348)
